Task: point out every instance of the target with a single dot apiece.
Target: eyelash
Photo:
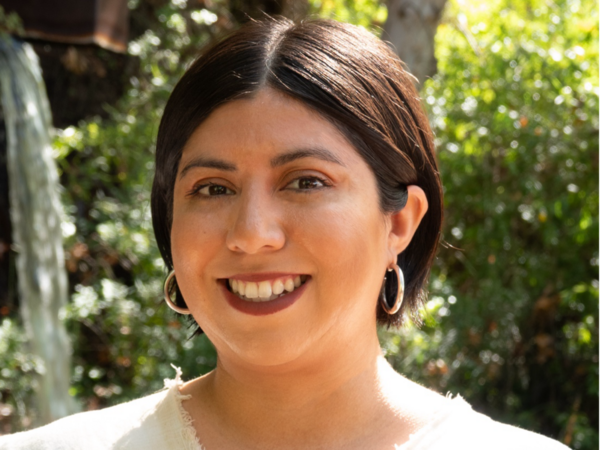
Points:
(196, 189)
(324, 183)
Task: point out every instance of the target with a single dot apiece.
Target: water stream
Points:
(35, 214)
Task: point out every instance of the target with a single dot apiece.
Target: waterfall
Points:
(35, 212)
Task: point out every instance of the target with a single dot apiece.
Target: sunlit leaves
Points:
(515, 112)
(370, 14)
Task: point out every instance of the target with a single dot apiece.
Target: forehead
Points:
(266, 123)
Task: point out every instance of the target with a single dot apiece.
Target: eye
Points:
(307, 183)
(211, 190)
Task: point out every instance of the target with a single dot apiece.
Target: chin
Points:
(262, 349)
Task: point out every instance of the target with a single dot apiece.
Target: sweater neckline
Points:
(456, 403)
(188, 431)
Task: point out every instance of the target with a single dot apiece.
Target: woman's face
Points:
(269, 194)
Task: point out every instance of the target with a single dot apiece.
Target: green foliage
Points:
(18, 370)
(370, 14)
(513, 314)
(10, 23)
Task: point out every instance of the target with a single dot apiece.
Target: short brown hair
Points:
(346, 75)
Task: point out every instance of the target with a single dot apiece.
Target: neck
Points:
(298, 385)
(340, 397)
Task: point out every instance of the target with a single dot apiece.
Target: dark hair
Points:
(346, 75)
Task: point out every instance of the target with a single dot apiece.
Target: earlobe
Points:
(404, 223)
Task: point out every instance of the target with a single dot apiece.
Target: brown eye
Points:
(307, 183)
(212, 190)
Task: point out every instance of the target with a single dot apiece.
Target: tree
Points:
(36, 223)
(410, 27)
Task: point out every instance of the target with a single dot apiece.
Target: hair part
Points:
(346, 75)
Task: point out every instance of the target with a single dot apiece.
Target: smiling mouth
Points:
(266, 290)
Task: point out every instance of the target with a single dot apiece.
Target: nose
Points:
(256, 225)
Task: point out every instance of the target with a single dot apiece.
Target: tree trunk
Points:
(411, 27)
(36, 224)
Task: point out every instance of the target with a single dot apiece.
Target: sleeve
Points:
(70, 433)
(104, 429)
(476, 431)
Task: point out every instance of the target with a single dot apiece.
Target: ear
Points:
(405, 222)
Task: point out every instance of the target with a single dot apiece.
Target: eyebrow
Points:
(312, 152)
(210, 163)
(277, 161)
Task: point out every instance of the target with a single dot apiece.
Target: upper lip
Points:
(256, 277)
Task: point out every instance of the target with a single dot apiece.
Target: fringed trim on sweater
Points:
(188, 432)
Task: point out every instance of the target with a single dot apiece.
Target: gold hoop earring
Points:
(393, 307)
(170, 303)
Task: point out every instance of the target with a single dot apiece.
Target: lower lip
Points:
(263, 308)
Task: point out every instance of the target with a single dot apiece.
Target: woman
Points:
(297, 204)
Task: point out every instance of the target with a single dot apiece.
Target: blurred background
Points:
(511, 87)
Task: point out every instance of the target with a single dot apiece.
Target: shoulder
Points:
(498, 435)
(104, 429)
(458, 426)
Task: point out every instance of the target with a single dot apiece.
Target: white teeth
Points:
(278, 287)
(289, 285)
(264, 289)
(267, 290)
(251, 290)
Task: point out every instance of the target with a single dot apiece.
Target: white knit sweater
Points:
(159, 422)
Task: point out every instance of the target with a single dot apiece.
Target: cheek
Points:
(347, 241)
(194, 228)
(194, 243)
